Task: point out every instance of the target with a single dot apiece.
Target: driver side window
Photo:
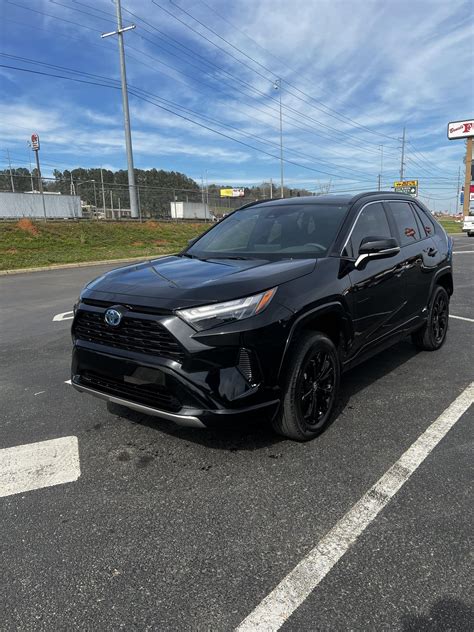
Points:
(372, 222)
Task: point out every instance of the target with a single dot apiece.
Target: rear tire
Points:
(311, 388)
(432, 336)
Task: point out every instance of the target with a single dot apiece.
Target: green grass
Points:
(27, 244)
(450, 226)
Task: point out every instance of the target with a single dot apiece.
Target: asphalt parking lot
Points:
(164, 528)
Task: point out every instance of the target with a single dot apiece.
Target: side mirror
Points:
(192, 241)
(376, 248)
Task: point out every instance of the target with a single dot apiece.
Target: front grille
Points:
(133, 334)
(155, 396)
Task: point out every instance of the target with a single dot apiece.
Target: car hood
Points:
(174, 282)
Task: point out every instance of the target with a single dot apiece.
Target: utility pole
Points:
(277, 86)
(35, 145)
(459, 190)
(31, 167)
(381, 168)
(202, 194)
(11, 175)
(467, 177)
(271, 188)
(126, 113)
(402, 163)
(207, 196)
(103, 190)
(95, 196)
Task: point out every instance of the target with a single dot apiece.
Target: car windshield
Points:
(279, 231)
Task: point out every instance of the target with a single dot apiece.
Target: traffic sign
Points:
(406, 186)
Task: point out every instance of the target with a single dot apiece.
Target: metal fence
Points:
(111, 201)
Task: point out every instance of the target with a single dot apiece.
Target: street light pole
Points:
(277, 86)
(126, 112)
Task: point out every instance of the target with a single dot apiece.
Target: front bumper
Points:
(182, 419)
(202, 388)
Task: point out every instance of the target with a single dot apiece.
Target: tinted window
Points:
(372, 222)
(427, 223)
(273, 232)
(406, 222)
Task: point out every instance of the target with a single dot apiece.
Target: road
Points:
(166, 528)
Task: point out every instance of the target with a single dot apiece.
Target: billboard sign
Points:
(407, 186)
(232, 193)
(35, 142)
(461, 129)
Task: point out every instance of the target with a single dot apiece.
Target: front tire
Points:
(432, 336)
(311, 388)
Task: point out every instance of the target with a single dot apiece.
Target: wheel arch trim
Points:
(335, 308)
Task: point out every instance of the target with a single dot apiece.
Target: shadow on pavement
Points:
(446, 615)
(254, 432)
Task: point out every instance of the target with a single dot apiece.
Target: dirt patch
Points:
(151, 225)
(160, 242)
(137, 243)
(28, 226)
(11, 251)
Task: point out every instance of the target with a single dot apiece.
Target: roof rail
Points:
(256, 202)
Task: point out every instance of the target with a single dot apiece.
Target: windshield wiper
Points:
(232, 257)
(190, 256)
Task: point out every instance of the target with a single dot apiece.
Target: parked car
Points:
(266, 310)
(468, 225)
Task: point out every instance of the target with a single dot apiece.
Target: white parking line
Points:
(37, 465)
(463, 252)
(290, 593)
(469, 320)
(63, 316)
(67, 382)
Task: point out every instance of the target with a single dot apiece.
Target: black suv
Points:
(265, 310)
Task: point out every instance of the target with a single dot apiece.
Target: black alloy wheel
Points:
(310, 389)
(439, 318)
(316, 388)
(432, 336)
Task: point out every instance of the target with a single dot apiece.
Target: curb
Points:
(80, 264)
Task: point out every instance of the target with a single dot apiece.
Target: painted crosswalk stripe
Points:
(291, 592)
(38, 465)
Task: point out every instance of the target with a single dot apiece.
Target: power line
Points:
(336, 114)
(180, 116)
(175, 105)
(193, 78)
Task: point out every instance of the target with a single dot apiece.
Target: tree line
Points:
(156, 188)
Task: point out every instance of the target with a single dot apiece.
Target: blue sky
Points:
(353, 74)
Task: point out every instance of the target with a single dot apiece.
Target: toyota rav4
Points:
(266, 310)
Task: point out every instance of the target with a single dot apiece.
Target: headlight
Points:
(209, 316)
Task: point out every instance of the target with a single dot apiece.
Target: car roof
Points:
(340, 199)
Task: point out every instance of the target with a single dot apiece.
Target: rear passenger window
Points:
(406, 222)
(372, 222)
(426, 222)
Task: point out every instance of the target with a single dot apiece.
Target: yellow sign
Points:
(402, 184)
(232, 193)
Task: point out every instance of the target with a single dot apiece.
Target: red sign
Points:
(461, 129)
(35, 142)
